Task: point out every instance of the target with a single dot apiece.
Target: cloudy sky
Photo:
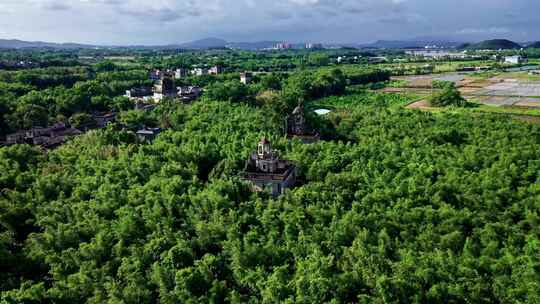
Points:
(175, 21)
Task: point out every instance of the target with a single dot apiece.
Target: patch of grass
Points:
(397, 83)
(507, 110)
(355, 97)
(525, 76)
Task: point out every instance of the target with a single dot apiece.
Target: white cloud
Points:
(490, 30)
(170, 21)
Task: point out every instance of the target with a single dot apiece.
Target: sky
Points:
(158, 22)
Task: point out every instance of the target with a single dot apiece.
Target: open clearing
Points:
(500, 91)
(421, 104)
(511, 87)
(504, 94)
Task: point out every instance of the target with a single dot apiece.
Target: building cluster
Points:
(189, 93)
(345, 59)
(164, 87)
(515, 60)
(215, 70)
(283, 46)
(308, 46)
(180, 73)
(314, 46)
(436, 54)
(440, 54)
(48, 137)
(139, 93)
(473, 68)
(55, 135)
(18, 64)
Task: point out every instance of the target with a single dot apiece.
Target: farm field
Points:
(515, 93)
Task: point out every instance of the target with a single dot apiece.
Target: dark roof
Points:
(280, 175)
(149, 131)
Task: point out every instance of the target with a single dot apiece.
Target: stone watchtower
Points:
(164, 87)
(267, 171)
(297, 121)
(267, 159)
(297, 128)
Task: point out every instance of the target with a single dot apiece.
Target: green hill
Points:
(535, 45)
(495, 44)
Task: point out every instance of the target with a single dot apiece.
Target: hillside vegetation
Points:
(535, 45)
(495, 44)
(392, 205)
(396, 210)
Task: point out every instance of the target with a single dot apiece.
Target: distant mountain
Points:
(19, 44)
(217, 43)
(494, 44)
(534, 45)
(207, 43)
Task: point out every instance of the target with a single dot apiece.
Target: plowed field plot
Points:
(422, 91)
(421, 104)
(528, 102)
(498, 100)
(511, 88)
(495, 91)
(426, 81)
(468, 90)
(419, 81)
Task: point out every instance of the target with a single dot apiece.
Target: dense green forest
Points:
(40, 96)
(392, 206)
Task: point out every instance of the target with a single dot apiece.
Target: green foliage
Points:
(358, 96)
(397, 206)
(494, 44)
(441, 84)
(448, 96)
(82, 121)
(137, 119)
(410, 207)
(231, 91)
(303, 86)
(367, 76)
(318, 59)
(105, 66)
(27, 116)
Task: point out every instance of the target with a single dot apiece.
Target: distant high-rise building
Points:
(283, 46)
(314, 46)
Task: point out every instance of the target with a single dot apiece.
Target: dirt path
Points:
(421, 104)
